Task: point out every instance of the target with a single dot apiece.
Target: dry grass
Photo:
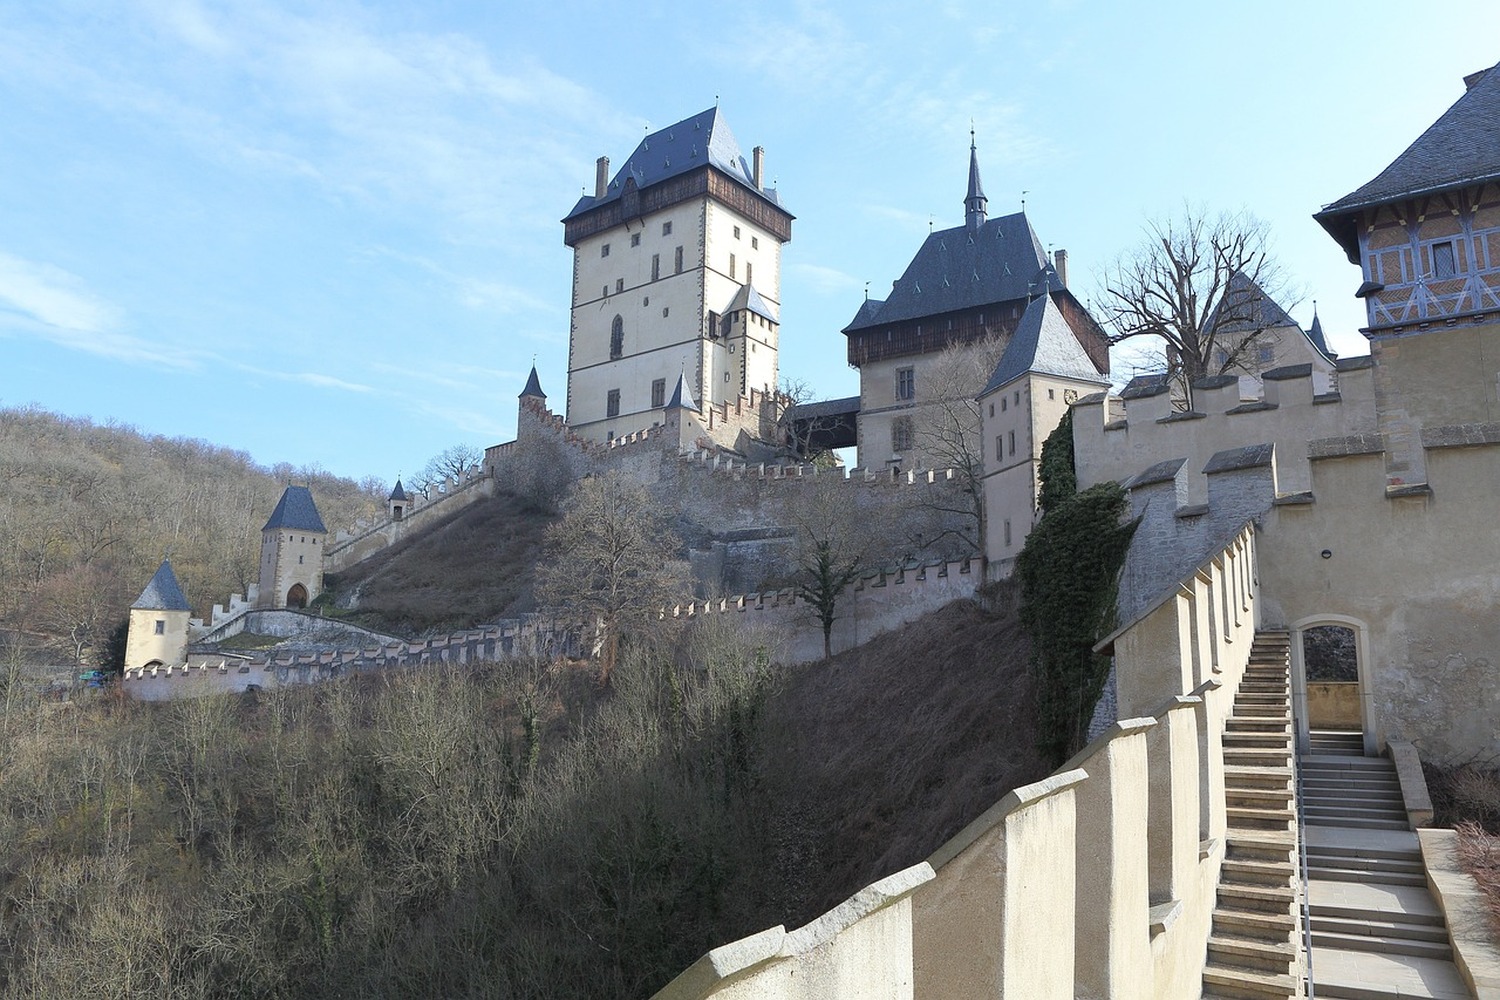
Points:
(473, 567)
(1465, 793)
(894, 747)
(1479, 853)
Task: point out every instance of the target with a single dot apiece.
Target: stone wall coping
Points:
(1286, 372)
(1234, 459)
(1116, 729)
(1054, 784)
(1476, 951)
(1161, 472)
(872, 898)
(1354, 364)
(1413, 783)
(724, 962)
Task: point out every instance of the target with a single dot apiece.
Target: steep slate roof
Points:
(1461, 147)
(1043, 343)
(533, 385)
(677, 149)
(1265, 313)
(748, 298)
(961, 268)
(682, 396)
(296, 511)
(163, 592)
(1315, 334)
(398, 493)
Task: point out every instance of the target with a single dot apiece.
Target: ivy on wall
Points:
(1069, 571)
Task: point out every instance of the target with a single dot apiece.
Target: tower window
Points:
(635, 239)
(736, 232)
(755, 243)
(616, 339)
(679, 261)
(161, 627)
(731, 265)
(1443, 261)
(1007, 532)
(658, 393)
(666, 229)
(906, 383)
(655, 266)
(612, 403)
(901, 434)
(1011, 440)
(749, 273)
(604, 250)
(999, 446)
(1267, 354)
(619, 284)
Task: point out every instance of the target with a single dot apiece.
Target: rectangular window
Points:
(1011, 438)
(749, 273)
(1007, 532)
(1051, 393)
(619, 284)
(1444, 263)
(161, 627)
(736, 232)
(605, 293)
(655, 266)
(755, 243)
(604, 250)
(658, 393)
(1267, 354)
(666, 229)
(713, 324)
(999, 446)
(731, 265)
(635, 239)
(906, 383)
(679, 261)
(612, 403)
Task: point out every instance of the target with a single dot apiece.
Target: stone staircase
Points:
(1376, 931)
(1253, 946)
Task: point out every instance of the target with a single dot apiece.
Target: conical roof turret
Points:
(682, 396)
(398, 493)
(533, 386)
(163, 592)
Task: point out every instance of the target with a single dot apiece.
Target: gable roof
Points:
(1255, 310)
(960, 268)
(163, 592)
(703, 139)
(296, 511)
(1044, 344)
(1461, 147)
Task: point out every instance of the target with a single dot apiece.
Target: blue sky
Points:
(328, 233)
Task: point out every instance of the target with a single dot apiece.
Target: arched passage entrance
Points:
(1331, 687)
(297, 596)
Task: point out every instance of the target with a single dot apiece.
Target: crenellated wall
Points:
(366, 538)
(1099, 880)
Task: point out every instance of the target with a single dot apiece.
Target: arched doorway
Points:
(1331, 690)
(297, 596)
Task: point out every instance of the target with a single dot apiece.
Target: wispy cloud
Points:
(316, 379)
(49, 303)
(474, 293)
(823, 279)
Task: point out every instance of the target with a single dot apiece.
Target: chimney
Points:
(758, 171)
(601, 177)
(1060, 265)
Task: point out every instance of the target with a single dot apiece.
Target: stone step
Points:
(1250, 953)
(1357, 824)
(1274, 846)
(1257, 898)
(1354, 809)
(1253, 923)
(1253, 724)
(1344, 787)
(1406, 912)
(1244, 984)
(1257, 775)
(1257, 756)
(1382, 928)
(1338, 974)
(1262, 797)
(1364, 875)
(1342, 763)
(1356, 855)
(1383, 944)
(1246, 818)
(1252, 871)
(1376, 867)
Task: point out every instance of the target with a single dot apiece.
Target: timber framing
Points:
(707, 181)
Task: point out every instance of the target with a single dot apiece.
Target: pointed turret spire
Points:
(533, 386)
(1315, 333)
(682, 397)
(163, 592)
(975, 202)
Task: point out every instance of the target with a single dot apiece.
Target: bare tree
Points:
(456, 462)
(1199, 284)
(606, 566)
(947, 432)
(800, 431)
(833, 543)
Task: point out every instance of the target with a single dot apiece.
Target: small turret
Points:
(533, 386)
(682, 396)
(158, 628)
(291, 551)
(398, 502)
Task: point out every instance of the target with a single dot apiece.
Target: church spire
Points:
(974, 203)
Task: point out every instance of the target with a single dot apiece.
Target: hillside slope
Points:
(894, 747)
(471, 567)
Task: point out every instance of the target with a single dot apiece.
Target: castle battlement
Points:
(1120, 437)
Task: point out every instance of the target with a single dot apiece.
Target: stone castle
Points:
(1304, 491)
